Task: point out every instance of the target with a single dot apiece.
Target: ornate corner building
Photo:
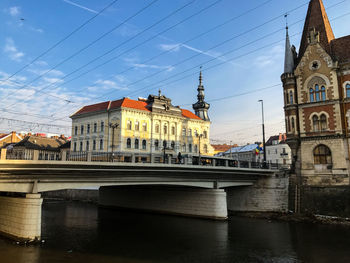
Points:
(142, 130)
(316, 86)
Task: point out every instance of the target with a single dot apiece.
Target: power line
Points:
(86, 47)
(130, 49)
(36, 123)
(60, 41)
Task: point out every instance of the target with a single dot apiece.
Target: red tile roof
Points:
(223, 147)
(190, 115)
(126, 103)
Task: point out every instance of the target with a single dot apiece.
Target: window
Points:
(157, 128)
(288, 124)
(165, 129)
(323, 122)
(287, 97)
(293, 125)
(205, 148)
(189, 132)
(184, 147)
(196, 148)
(128, 143)
(88, 128)
(87, 146)
(183, 131)
(101, 144)
(323, 93)
(347, 90)
(283, 150)
(128, 125)
(144, 126)
(95, 127)
(136, 143)
(74, 147)
(81, 146)
(315, 123)
(291, 97)
(317, 92)
(173, 130)
(322, 155)
(82, 129)
(190, 148)
(311, 95)
(196, 133)
(205, 134)
(164, 144)
(137, 126)
(76, 130)
(156, 145)
(144, 145)
(102, 126)
(94, 145)
(275, 151)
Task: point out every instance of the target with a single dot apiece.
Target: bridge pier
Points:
(20, 217)
(186, 201)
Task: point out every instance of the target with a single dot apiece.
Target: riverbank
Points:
(297, 218)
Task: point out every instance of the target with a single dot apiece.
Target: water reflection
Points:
(78, 232)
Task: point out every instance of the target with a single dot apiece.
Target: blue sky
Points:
(237, 59)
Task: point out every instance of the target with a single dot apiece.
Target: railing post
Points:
(88, 156)
(214, 162)
(169, 159)
(64, 156)
(35, 155)
(239, 164)
(249, 164)
(226, 163)
(133, 158)
(3, 154)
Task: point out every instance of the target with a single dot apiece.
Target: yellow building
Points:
(139, 130)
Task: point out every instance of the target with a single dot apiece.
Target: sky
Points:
(59, 55)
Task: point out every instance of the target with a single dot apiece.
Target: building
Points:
(36, 148)
(316, 86)
(7, 138)
(246, 153)
(278, 151)
(220, 148)
(139, 130)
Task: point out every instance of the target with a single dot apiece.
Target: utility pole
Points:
(199, 152)
(263, 130)
(113, 126)
(231, 149)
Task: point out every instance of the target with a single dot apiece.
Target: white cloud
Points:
(167, 68)
(105, 85)
(170, 47)
(54, 72)
(14, 10)
(11, 50)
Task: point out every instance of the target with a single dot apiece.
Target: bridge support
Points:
(192, 202)
(20, 218)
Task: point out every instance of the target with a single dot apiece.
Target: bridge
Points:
(190, 190)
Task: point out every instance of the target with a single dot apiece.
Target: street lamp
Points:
(113, 126)
(263, 129)
(199, 136)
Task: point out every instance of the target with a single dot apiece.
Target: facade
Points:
(139, 130)
(278, 151)
(7, 138)
(316, 85)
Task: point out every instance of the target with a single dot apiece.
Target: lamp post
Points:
(263, 130)
(113, 126)
(199, 136)
(231, 149)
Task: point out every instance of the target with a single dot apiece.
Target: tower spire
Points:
(316, 22)
(289, 56)
(201, 107)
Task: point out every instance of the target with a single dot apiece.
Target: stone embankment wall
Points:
(268, 194)
(74, 195)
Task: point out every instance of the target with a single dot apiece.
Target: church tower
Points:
(201, 107)
(316, 87)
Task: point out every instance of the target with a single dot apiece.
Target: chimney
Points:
(13, 136)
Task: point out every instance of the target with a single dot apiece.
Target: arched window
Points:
(293, 124)
(144, 145)
(205, 134)
(347, 90)
(195, 148)
(315, 123)
(205, 148)
(128, 143)
(164, 144)
(312, 99)
(322, 155)
(94, 145)
(165, 129)
(287, 97)
(189, 132)
(81, 146)
(128, 125)
(173, 130)
(87, 146)
(190, 148)
(136, 143)
(157, 128)
(183, 131)
(144, 126)
(172, 145)
(317, 92)
(101, 144)
(184, 147)
(289, 125)
(156, 145)
(323, 122)
(291, 97)
(323, 93)
(137, 126)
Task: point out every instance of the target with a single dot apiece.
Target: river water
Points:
(81, 232)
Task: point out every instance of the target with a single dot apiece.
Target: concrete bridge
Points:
(200, 191)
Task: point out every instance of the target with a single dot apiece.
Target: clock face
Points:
(315, 65)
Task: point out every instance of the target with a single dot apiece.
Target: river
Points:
(82, 232)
